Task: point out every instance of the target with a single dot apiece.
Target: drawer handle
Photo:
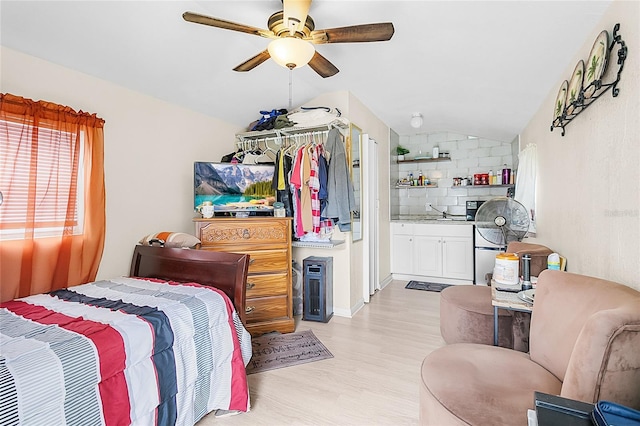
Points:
(249, 309)
(251, 261)
(250, 285)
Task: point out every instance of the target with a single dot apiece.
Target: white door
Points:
(369, 216)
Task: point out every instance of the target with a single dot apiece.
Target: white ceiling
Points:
(474, 67)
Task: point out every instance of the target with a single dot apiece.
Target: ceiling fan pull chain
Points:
(290, 88)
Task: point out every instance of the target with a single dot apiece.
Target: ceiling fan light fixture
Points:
(291, 52)
(416, 120)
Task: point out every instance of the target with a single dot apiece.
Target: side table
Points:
(506, 300)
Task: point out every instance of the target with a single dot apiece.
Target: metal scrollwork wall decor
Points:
(586, 84)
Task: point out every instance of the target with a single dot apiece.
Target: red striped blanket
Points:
(120, 352)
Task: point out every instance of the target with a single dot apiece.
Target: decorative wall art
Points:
(586, 84)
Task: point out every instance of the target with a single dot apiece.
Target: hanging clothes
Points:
(296, 183)
(340, 198)
(314, 189)
(305, 192)
(322, 177)
(281, 181)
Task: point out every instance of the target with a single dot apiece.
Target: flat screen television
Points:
(232, 186)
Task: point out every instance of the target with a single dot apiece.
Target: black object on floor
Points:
(423, 285)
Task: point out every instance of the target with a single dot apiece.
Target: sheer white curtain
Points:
(526, 182)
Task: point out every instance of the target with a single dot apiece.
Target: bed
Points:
(163, 346)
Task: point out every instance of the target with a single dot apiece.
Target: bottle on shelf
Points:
(420, 178)
(411, 179)
(506, 175)
(436, 152)
(490, 177)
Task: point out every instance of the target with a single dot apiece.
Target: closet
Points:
(315, 161)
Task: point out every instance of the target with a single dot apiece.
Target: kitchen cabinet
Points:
(422, 250)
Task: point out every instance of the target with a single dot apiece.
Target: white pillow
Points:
(171, 239)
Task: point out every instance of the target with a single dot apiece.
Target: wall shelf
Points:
(416, 186)
(597, 86)
(484, 186)
(425, 160)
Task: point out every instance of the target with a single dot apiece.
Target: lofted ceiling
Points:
(480, 68)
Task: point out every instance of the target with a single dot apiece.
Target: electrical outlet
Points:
(427, 207)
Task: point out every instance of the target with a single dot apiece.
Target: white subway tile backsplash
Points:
(436, 192)
(480, 152)
(488, 143)
(448, 201)
(445, 182)
(490, 163)
(457, 137)
(468, 163)
(502, 150)
(468, 157)
(436, 138)
(458, 191)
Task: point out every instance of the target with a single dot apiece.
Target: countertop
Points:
(456, 220)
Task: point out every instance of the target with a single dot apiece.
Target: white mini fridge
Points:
(484, 256)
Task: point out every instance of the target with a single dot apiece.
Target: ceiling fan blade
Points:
(382, 31)
(295, 14)
(225, 25)
(251, 63)
(322, 66)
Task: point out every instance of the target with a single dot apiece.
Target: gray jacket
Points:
(340, 200)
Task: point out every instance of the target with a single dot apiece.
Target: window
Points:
(52, 182)
(41, 181)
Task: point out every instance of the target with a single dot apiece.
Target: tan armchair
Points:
(584, 345)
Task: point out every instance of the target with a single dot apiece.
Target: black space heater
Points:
(317, 303)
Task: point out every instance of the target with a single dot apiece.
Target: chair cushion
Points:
(466, 316)
(482, 385)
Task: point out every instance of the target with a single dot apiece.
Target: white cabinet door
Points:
(401, 254)
(427, 256)
(457, 258)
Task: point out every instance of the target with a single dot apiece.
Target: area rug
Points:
(423, 285)
(271, 351)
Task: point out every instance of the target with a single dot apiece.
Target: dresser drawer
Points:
(267, 285)
(265, 308)
(242, 234)
(265, 261)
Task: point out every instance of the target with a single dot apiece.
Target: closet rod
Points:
(278, 139)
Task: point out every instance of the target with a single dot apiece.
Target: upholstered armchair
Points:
(584, 345)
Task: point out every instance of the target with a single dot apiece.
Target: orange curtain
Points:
(34, 263)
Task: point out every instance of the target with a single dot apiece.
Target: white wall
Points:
(588, 189)
(150, 147)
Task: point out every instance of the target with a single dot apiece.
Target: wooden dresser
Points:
(267, 241)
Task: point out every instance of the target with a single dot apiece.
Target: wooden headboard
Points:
(226, 271)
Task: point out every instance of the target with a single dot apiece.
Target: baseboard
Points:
(386, 281)
(441, 280)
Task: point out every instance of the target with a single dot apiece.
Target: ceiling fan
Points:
(293, 30)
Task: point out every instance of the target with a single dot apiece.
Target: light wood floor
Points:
(373, 377)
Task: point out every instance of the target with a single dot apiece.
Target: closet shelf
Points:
(274, 134)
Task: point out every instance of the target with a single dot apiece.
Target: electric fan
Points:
(502, 220)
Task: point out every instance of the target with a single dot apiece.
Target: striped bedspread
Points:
(120, 352)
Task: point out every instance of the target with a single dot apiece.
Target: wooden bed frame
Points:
(225, 271)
